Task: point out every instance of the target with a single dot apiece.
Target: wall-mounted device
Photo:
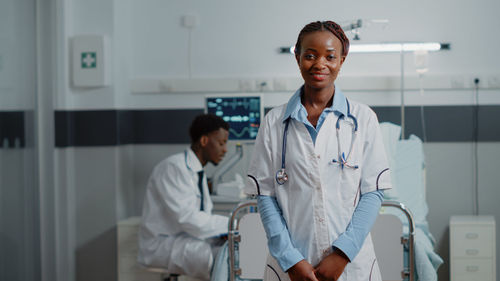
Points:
(90, 61)
(243, 113)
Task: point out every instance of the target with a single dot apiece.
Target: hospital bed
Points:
(402, 241)
(247, 249)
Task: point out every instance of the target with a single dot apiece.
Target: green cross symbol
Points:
(89, 60)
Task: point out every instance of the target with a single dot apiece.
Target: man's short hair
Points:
(204, 124)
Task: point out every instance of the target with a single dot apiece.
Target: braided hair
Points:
(324, 26)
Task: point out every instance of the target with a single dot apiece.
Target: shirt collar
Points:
(294, 107)
(192, 161)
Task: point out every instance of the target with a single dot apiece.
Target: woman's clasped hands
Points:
(329, 269)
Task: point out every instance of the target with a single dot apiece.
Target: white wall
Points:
(239, 39)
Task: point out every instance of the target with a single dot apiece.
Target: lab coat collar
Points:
(296, 110)
(192, 161)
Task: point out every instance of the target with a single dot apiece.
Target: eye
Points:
(309, 56)
(331, 57)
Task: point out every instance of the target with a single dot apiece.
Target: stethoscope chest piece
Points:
(281, 176)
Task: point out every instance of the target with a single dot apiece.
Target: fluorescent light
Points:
(396, 47)
(387, 47)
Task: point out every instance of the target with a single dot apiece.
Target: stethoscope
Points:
(343, 160)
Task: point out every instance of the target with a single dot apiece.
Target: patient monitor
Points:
(244, 113)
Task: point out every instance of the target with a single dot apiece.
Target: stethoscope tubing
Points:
(282, 177)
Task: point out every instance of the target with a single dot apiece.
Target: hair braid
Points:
(320, 26)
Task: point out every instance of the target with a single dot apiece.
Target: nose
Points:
(224, 149)
(320, 63)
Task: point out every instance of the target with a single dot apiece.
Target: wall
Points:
(19, 221)
(104, 182)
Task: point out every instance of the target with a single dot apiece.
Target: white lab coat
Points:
(319, 198)
(173, 232)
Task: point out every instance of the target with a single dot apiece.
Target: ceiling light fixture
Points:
(386, 47)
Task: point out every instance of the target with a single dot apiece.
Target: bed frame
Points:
(248, 244)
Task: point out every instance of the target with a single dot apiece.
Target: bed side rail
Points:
(251, 206)
(409, 242)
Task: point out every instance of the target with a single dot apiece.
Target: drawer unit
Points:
(473, 269)
(472, 248)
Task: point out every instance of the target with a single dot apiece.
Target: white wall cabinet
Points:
(472, 248)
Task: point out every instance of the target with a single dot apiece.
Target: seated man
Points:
(178, 231)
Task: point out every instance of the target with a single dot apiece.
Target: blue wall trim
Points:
(117, 127)
(12, 129)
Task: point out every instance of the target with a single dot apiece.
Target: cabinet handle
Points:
(472, 268)
(472, 252)
(471, 235)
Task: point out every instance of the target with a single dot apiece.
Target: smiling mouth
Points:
(319, 76)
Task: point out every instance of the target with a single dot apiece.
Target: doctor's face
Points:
(320, 59)
(216, 146)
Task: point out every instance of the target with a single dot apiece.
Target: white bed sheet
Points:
(407, 165)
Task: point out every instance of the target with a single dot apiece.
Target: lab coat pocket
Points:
(349, 187)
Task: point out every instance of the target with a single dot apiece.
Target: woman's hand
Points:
(331, 267)
(302, 271)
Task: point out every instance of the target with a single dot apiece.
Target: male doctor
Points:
(178, 231)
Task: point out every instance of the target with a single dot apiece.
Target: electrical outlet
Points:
(189, 21)
(165, 86)
(247, 85)
(494, 82)
(457, 82)
(264, 85)
(280, 84)
(481, 81)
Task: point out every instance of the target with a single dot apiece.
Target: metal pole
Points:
(233, 236)
(411, 234)
(402, 92)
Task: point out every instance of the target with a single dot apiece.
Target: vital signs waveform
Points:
(240, 134)
(252, 104)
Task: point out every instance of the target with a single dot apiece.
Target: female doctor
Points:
(319, 168)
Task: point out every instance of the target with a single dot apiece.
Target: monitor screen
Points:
(243, 113)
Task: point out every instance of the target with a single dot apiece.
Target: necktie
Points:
(200, 186)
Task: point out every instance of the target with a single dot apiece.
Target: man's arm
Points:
(176, 191)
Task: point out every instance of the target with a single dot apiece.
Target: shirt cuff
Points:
(289, 258)
(347, 246)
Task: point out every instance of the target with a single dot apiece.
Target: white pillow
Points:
(391, 134)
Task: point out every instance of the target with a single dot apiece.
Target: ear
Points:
(297, 57)
(203, 140)
(342, 60)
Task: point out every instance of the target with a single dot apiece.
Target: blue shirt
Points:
(296, 110)
(364, 216)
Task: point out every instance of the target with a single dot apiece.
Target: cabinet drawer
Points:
(472, 269)
(472, 241)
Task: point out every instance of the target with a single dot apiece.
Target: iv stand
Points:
(402, 92)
